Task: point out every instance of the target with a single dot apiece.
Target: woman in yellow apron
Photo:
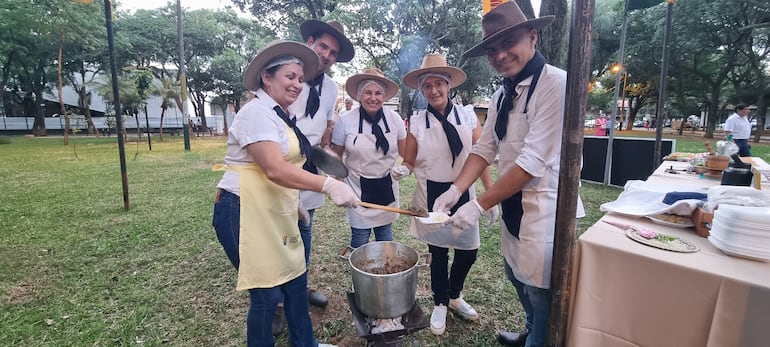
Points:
(372, 138)
(439, 141)
(256, 211)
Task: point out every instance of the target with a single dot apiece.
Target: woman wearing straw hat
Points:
(372, 138)
(255, 214)
(438, 142)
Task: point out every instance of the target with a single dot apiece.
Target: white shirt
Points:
(314, 127)
(739, 126)
(532, 142)
(256, 121)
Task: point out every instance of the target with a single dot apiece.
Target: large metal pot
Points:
(385, 278)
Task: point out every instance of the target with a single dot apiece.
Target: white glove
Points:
(340, 193)
(302, 214)
(446, 201)
(492, 215)
(399, 171)
(468, 214)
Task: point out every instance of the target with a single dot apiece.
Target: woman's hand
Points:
(340, 193)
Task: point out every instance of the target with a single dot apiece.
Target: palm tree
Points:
(170, 95)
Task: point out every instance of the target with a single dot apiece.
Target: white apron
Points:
(369, 172)
(434, 173)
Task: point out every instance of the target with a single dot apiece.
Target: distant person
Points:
(739, 126)
(600, 126)
(348, 104)
(256, 207)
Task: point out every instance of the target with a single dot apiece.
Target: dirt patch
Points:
(22, 292)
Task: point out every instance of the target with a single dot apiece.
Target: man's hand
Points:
(446, 201)
(302, 214)
(467, 215)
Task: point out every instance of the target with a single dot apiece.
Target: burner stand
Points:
(413, 321)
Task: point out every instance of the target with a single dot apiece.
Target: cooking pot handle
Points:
(428, 260)
(342, 254)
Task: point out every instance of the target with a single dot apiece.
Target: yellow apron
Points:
(270, 248)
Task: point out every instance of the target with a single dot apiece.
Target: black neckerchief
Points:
(381, 141)
(455, 144)
(314, 97)
(304, 144)
(533, 68)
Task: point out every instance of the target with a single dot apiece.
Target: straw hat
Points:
(333, 28)
(435, 63)
(252, 78)
(504, 19)
(370, 73)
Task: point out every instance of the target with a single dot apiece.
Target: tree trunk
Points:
(761, 112)
(84, 102)
(526, 7)
(162, 113)
(62, 109)
(713, 105)
(552, 37)
(38, 127)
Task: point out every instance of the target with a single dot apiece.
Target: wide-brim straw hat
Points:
(502, 20)
(370, 73)
(333, 28)
(252, 78)
(435, 63)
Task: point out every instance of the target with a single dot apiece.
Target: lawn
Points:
(78, 270)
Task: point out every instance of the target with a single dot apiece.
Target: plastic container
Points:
(727, 147)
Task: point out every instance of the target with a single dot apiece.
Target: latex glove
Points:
(468, 214)
(492, 214)
(399, 171)
(302, 214)
(446, 201)
(340, 193)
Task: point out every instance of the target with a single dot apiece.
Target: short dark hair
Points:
(740, 106)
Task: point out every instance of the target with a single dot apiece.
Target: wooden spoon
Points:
(393, 209)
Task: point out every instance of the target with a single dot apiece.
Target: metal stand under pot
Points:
(413, 321)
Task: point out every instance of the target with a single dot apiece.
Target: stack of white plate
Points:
(742, 231)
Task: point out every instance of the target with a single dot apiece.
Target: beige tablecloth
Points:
(630, 294)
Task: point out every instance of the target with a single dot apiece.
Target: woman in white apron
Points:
(439, 141)
(255, 214)
(371, 138)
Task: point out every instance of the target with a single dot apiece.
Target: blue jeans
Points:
(536, 303)
(263, 301)
(744, 149)
(360, 237)
(306, 233)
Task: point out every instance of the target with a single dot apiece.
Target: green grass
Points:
(78, 270)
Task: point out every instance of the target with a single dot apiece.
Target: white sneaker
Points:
(463, 309)
(326, 345)
(438, 320)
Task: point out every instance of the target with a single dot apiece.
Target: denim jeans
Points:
(263, 301)
(445, 283)
(360, 237)
(744, 149)
(536, 303)
(306, 233)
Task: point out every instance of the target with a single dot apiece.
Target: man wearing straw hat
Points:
(523, 127)
(315, 114)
